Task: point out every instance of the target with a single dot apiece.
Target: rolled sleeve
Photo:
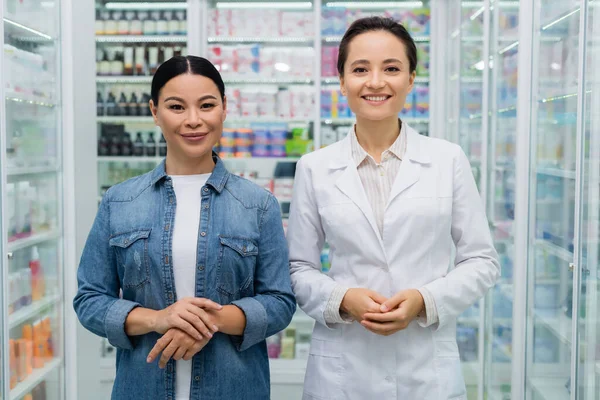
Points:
(332, 313)
(256, 323)
(431, 314)
(114, 323)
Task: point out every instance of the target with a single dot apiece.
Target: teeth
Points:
(376, 98)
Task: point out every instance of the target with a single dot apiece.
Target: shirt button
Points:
(203, 234)
(205, 190)
(126, 241)
(200, 267)
(167, 227)
(206, 206)
(170, 295)
(171, 200)
(196, 378)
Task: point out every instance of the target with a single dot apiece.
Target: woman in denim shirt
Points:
(185, 269)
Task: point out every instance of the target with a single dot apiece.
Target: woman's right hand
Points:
(358, 301)
(188, 315)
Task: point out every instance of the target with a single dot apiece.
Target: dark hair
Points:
(179, 65)
(370, 24)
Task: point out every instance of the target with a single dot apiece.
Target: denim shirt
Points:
(242, 259)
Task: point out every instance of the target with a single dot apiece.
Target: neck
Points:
(377, 136)
(177, 164)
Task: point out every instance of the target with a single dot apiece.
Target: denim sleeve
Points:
(97, 303)
(274, 304)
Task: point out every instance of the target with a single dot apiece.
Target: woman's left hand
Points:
(396, 313)
(175, 344)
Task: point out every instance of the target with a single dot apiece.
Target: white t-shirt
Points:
(185, 249)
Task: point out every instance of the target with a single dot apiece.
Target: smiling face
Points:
(377, 76)
(190, 113)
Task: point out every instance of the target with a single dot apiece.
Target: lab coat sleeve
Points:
(476, 264)
(317, 294)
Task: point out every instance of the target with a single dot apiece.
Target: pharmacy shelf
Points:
(23, 32)
(31, 310)
(566, 15)
(29, 100)
(141, 38)
(124, 79)
(37, 376)
(236, 120)
(474, 321)
(287, 371)
(267, 81)
(32, 240)
(559, 324)
(125, 119)
(259, 39)
(561, 173)
(337, 39)
(555, 250)
(48, 169)
(550, 388)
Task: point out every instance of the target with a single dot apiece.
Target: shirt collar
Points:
(397, 149)
(217, 179)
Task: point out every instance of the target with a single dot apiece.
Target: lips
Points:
(193, 135)
(381, 97)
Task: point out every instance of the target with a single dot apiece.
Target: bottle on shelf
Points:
(162, 25)
(128, 52)
(135, 27)
(172, 22)
(122, 106)
(181, 15)
(153, 58)
(117, 64)
(123, 24)
(149, 25)
(99, 24)
(151, 145)
(138, 145)
(103, 145)
(102, 63)
(111, 105)
(140, 60)
(37, 280)
(110, 23)
(99, 104)
(126, 145)
(133, 106)
(162, 147)
(144, 105)
(115, 145)
(168, 52)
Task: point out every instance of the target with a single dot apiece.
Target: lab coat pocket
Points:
(449, 371)
(323, 378)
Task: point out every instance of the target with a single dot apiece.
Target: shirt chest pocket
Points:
(131, 251)
(235, 272)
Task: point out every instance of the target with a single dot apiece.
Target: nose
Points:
(193, 118)
(375, 81)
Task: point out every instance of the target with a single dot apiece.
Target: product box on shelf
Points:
(421, 101)
(260, 23)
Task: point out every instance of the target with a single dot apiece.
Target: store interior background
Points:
(516, 84)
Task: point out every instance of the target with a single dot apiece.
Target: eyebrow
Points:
(208, 96)
(387, 61)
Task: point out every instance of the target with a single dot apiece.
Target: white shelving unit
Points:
(35, 378)
(33, 310)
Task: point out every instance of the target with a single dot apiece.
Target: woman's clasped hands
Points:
(187, 326)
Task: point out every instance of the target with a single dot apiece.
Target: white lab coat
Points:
(434, 203)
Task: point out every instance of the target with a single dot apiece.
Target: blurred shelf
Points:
(558, 323)
(126, 119)
(301, 317)
(144, 6)
(334, 80)
(550, 388)
(474, 321)
(30, 100)
(32, 240)
(548, 202)
(554, 249)
(472, 39)
(141, 38)
(22, 32)
(266, 81)
(337, 39)
(563, 16)
(503, 348)
(561, 173)
(287, 371)
(260, 39)
(48, 169)
(124, 79)
(130, 159)
(32, 310)
(598, 368)
(258, 160)
(37, 376)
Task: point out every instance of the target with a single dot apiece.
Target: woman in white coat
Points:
(391, 204)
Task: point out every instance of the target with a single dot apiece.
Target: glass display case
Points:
(32, 202)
